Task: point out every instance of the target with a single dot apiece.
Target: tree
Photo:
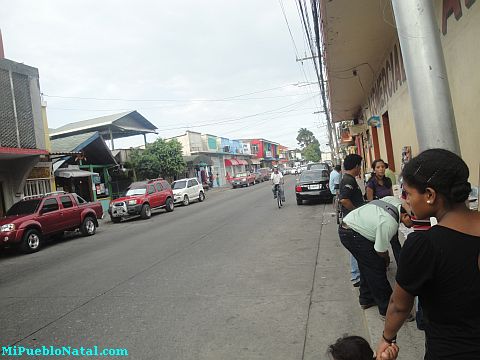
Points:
(305, 137)
(160, 158)
(312, 152)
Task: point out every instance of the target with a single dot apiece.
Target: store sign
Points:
(268, 154)
(374, 121)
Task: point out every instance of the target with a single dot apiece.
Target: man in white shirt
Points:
(277, 180)
(335, 178)
(366, 232)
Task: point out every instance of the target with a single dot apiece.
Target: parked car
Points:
(319, 166)
(313, 185)
(243, 179)
(31, 220)
(141, 198)
(266, 173)
(186, 190)
(258, 177)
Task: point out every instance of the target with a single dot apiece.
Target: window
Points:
(254, 149)
(191, 183)
(66, 201)
(158, 186)
(181, 184)
(37, 187)
(151, 189)
(80, 200)
(50, 205)
(195, 182)
(165, 185)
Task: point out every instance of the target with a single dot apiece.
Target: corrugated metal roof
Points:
(74, 142)
(126, 123)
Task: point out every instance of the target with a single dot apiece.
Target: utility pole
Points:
(2, 53)
(332, 133)
(426, 74)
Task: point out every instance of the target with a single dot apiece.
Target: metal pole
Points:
(111, 137)
(426, 74)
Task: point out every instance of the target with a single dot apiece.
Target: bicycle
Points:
(278, 195)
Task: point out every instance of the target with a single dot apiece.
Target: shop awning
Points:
(254, 161)
(73, 173)
(242, 162)
(231, 162)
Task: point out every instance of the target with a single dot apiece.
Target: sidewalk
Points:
(334, 309)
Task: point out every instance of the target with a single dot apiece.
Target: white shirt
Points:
(276, 178)
(375, 223)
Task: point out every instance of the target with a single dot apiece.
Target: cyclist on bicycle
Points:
(277, 181)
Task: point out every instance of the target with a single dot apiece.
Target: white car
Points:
(186, 190)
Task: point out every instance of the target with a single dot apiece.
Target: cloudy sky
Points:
(226, 68)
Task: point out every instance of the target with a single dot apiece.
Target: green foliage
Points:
(305, 137)
(159, 159)
(312, 152)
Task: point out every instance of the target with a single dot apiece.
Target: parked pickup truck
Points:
(31, 220)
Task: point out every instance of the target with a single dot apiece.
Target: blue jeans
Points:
(355, 273)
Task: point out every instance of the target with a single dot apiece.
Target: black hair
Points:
(403, 210)
(441, 170)
(375, 162)
(351, 161)
(351, 348)
(338, 167)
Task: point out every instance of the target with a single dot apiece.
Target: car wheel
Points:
(88, 226)
(146, 212)
(31, 241)
(299, 201)
(115, 220)
(201, 196)
(186, 200)
(169, 205)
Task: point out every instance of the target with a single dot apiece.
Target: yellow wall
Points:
(462, 54)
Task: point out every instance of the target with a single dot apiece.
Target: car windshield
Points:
(24, 207)
(179, 184)
(136, 191)
(241, 175)
(313, 175)
(319, 167)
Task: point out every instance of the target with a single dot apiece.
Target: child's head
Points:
(351, 348)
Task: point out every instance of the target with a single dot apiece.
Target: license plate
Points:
(314, 187)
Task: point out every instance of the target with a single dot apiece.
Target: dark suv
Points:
(141, 198)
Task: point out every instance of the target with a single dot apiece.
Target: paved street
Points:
(231, 278)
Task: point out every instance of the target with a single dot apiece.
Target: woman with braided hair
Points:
(442, 265)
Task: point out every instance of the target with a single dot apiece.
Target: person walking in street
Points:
(350, 197)
(440, 265)
(379, 186)
(366, 233)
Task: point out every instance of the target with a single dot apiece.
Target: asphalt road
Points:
(229, 278)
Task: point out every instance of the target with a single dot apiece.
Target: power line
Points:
(231, 98)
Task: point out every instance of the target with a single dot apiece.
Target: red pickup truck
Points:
(30, 220)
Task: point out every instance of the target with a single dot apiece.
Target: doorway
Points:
(388, 141)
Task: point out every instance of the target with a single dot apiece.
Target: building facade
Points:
(25, 166)
(368, 87)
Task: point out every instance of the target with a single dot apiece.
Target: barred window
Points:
(37, 187)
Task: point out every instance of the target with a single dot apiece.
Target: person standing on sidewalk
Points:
(440, 265)
(366, 233)
(351, 197)
(379, 186)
